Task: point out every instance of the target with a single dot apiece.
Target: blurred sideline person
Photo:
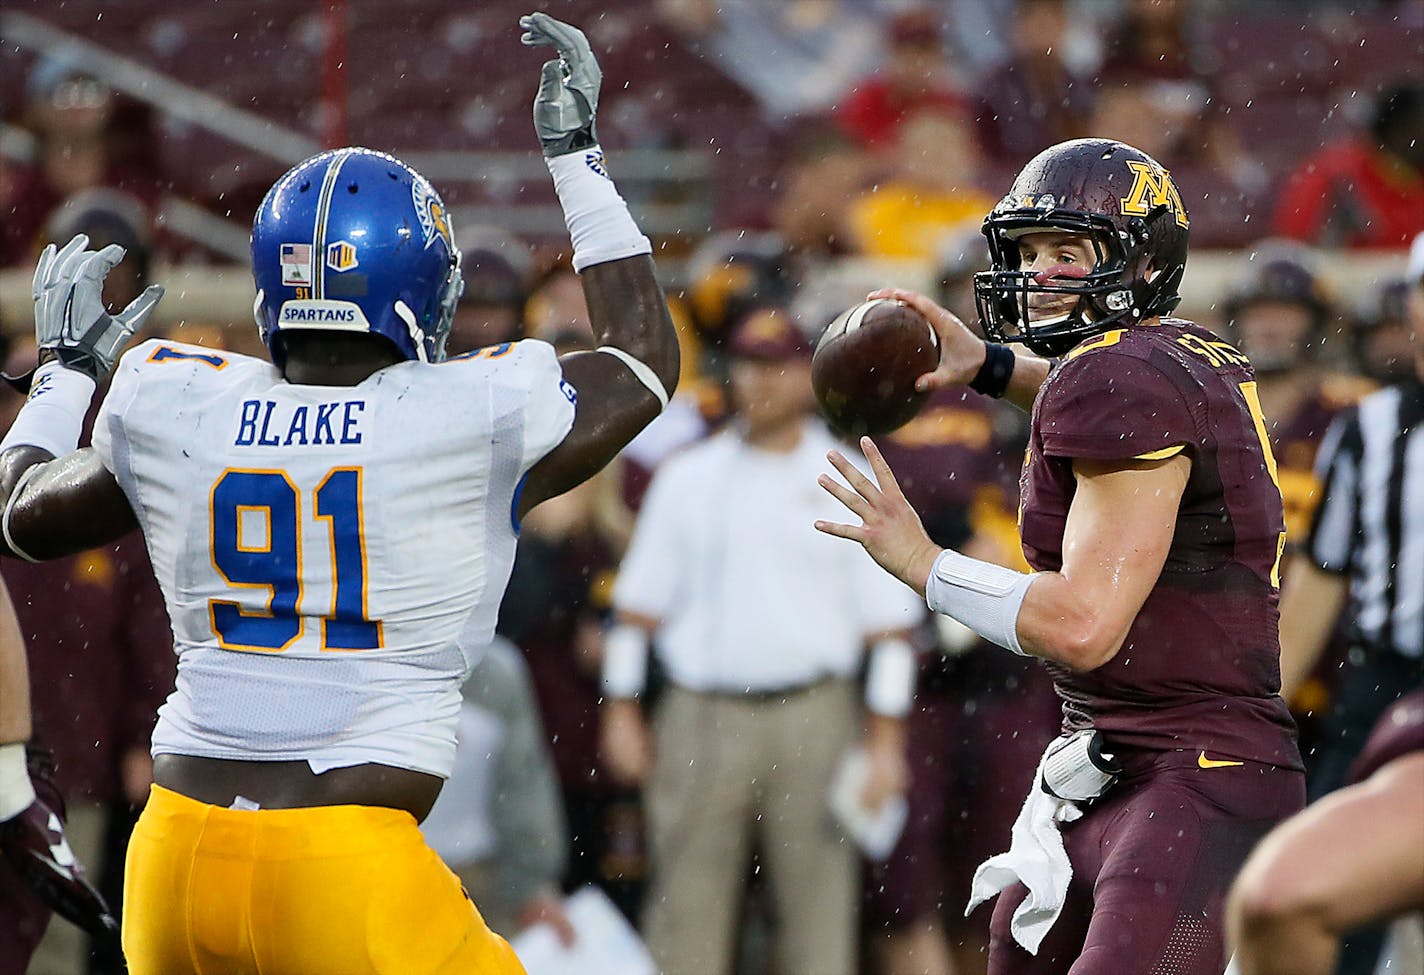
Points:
(1351, 859)
(1151, 514)
(759, 625)
(1365, 548)
(333, 532)
(1280, 316)
(1366, 191)
(498, 822)
(39, 874)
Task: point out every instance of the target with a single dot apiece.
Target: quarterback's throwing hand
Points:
(961, 351)
(70, 321)
(890, 530)
(567, 101)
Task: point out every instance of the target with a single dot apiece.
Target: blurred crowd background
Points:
(785, 156)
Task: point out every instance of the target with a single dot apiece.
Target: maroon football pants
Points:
(1152, 863)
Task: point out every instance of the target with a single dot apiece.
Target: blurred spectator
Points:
(1367, 191)
(498, 822)
(823, 170)
(1384, 343)
(962, 254)
(733, 272)
(796, 56)
(1034, 99)
(913, 76)
(981, 718)
(1151, 39)
(556, 311)
(759, 628)
(933, 187)
(109, 216)
(497, 268)
(86, 136)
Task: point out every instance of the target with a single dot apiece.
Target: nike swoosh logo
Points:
(1204, 762)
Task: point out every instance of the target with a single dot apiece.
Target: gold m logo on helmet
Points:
(1152, 188)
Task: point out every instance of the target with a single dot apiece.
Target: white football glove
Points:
(567, 100)
(70, 320)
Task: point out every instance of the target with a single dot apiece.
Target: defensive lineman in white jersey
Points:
(333, 532)
(257, 494)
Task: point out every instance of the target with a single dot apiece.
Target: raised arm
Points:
(56, 500)
(622, 387)
(1115, 543)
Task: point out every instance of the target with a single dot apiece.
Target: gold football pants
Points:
(330, 890)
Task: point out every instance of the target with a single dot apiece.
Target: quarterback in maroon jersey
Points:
(1152, 517)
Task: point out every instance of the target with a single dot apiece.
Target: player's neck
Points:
(336, 359)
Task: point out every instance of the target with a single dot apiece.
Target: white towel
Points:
(1036, 859)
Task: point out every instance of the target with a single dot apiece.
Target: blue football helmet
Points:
(355, 240)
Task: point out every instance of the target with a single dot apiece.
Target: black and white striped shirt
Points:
(1370, 523)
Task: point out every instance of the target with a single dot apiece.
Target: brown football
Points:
(866, 364)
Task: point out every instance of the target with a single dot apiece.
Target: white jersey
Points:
(333, 557)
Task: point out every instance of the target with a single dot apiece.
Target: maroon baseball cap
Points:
(769, 335)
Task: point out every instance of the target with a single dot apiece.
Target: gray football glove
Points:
(70, 320)
(568, 87)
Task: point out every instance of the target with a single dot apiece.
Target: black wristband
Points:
(993, 376)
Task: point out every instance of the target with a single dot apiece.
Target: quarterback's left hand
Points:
(34, 844)
(70, 321)
(890, 530)
(567, 101)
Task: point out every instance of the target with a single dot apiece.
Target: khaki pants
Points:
(65, 948)
(727, 770)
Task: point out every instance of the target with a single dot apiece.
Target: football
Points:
(866, 363)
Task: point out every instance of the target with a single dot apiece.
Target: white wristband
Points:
(890, 678)
(53, 415)
(983, 596)
(642, 370)
(600, 226)
(16, 790)
(625, 661)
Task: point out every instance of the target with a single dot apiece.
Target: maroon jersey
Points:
(1200, 668)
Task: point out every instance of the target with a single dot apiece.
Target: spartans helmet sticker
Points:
(431, 213)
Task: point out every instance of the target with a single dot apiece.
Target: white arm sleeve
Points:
(983, 596)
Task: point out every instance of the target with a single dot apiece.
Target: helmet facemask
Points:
(1119, 289)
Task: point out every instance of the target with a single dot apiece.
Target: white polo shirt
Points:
(751, 596)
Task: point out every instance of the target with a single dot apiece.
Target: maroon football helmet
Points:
(1120, 199)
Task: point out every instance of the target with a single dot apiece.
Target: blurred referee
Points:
(1366, 542)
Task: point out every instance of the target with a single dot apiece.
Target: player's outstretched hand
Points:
(70, 321)
(961, 351)
(567, 101)
(33, 842)
(890, 530)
